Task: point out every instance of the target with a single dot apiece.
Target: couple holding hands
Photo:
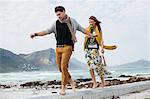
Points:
(64, 29)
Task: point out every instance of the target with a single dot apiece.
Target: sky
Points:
(125, 23)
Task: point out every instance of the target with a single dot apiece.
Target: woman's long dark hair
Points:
(97, 22)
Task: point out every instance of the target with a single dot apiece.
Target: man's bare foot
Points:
(62, 92)
(72, 83)
(95, 85)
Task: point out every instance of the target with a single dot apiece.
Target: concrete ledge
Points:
(99, 93)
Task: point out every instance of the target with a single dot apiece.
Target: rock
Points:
(8, 86)
(56, 82)
(112, 82)
(81, 86)
(115, 80)
(54, 92)
(107, 73)
(141, 79)
(32, 84)
(125, 76)
(5, 86)
(77, 81)
(49, 82)
(132, 79)
(28, 85)
(123, 82)
(88, 85)
(69, 87)
(53, 87)
(109, 77)
(80, 83)
(84, 80)
(107, 83)
(58, 87)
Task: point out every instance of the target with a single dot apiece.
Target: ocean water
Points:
(22, 77)
(129, 71)
(55, 75)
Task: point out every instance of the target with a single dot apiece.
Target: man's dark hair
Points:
(59, 8)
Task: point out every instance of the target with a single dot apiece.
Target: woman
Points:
(91, 47)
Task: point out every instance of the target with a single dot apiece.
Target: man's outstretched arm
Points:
(50, 30)
(38, 34)
(83, 30)
(88, 33)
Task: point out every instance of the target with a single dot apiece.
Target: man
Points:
(64, 29)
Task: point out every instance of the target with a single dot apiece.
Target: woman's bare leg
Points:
(102, 80)
(93, 78)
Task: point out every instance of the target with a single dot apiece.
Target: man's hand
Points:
(32, 36)
(89, 34)
(93, 36)
(38, 34)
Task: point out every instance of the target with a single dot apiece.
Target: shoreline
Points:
(80, 82)
(52, 88)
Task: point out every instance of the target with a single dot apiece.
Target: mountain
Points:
(76, 64)
(46, 60)
(136, 64)
(10, 62)
(39, 60)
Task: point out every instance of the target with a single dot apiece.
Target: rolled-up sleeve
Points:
(50, 30)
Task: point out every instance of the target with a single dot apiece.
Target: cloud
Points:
(124, 22)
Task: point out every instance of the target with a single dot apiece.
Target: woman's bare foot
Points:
(102, 85)
(102, 81)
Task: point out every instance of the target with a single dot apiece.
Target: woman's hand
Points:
(102, 50)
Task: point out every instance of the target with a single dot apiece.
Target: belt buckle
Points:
(60, 45)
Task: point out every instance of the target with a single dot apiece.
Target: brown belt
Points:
(62, 45)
